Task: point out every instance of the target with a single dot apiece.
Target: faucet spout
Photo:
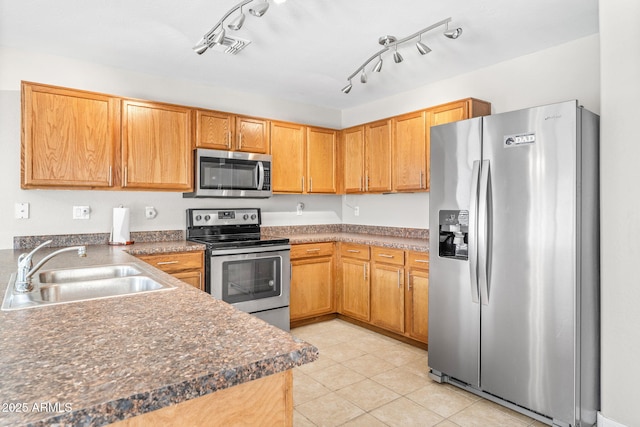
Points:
(26, 271)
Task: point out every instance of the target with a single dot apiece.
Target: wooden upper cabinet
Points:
(156, 146)
(378, 156)
(252, 135)
(321, 160)
(410, 152)
(353, 159)
(458, 110)
(69, 137)
(214, 130)
(288, 157)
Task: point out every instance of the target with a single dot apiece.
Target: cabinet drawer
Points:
(352, 250)
(418, 259)
(307, 250)
(387, 256)
(176, 262)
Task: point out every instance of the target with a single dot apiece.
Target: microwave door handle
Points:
(260, 175)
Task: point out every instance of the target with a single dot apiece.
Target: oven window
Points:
(228, 174)
(251, 279)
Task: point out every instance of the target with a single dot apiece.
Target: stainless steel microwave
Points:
(231, 174)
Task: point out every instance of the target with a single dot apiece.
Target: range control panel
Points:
(216, 217)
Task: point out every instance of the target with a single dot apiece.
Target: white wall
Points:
(620, 204)
(51, 210)
(568, 71)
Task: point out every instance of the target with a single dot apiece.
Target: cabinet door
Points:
(353, 152)
(387, 296)
(321, 160)
(252, 135)
(417, 303)
(311, 287)
(69, 137)
(214, 130)
(288, 156)
(409, 152)
(355, 288)
(194, 278)
(156, 146)
(378, 156)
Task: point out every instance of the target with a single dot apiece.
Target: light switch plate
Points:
(81, 212)
(22, 210)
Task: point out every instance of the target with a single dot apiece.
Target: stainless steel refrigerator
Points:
(514, 260)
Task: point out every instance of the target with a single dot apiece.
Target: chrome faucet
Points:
(25, 270)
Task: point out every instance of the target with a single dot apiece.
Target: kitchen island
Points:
(178, 352)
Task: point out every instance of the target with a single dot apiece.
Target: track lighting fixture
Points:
(217, 35)
(390, 41)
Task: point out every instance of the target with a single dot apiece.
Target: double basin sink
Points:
(81, 284)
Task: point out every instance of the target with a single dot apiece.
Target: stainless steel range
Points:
(243, 268)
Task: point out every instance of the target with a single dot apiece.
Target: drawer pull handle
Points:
(426, 261)
(167, 262)
(313, 250)
(353, 251)
(385, 256)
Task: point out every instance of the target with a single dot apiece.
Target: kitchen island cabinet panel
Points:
(156, 146)
(69, 138)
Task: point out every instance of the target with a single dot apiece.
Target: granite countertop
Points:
(97, 362)
(387, 241)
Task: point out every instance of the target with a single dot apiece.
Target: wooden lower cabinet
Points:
(417, 296)
(186, 266)
(261, 402)
(355, 281)
(387, 289)
(312, 271)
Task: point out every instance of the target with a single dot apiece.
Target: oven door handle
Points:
(249, 250)
(260, 175)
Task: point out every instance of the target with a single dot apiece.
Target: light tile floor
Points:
(366, 379)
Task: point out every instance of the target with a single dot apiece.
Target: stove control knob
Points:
(207, 217)
(198, 217)
(245, 217)
(253, 216)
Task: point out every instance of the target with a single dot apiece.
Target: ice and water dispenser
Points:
(454, 234)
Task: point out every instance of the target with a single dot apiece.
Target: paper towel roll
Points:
(120, 234)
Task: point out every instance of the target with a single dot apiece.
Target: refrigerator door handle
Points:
(473, 230)
(483, 233)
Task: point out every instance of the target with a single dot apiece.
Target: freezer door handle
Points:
(473, 229)
(483, 233)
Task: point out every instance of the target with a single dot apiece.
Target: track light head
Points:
(260, 9)
(453, 34)
(397, 58)
(378, 66)
(422, 48)
(219, 37)
(201, 47)
(363, 77)
(236, 24)
(347, 88)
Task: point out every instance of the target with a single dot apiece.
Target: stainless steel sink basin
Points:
(88, 273)
(81, 284)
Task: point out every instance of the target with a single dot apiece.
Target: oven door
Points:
(252, 279)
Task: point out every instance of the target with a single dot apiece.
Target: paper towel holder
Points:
(120, 233)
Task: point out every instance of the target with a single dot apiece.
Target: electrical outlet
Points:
(22, 210)
(150, 212)
(81, 212)
(356, 211)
